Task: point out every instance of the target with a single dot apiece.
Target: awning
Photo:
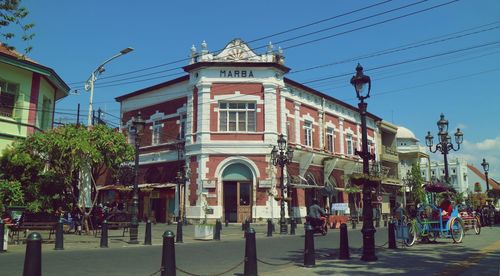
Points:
(305, 186)
(140, 186)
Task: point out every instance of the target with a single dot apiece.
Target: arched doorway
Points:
(237, 182)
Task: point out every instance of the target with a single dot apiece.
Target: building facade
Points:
(219, 123)
(457, 171)
(28, 93)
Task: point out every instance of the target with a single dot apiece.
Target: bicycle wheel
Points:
(477, 226)
(456, 230)
(412, 235)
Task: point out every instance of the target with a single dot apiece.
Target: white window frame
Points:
(235, 110)
(156, 132)
(308, 130)
(330, 139)
(349, 144)
(182, 127)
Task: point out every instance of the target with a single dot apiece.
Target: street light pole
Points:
(280, 157)
(362, 85)
(445, 145)
(486, 168)
(137, 126)
(89, 84)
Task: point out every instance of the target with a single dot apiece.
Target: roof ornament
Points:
(204, 47)
(270, 47)
(193, 54)
(279, 56)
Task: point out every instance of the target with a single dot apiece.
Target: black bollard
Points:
(168, 254)
(104, 234)
(392, 236)
(309, 254)
(2, 233)
(227, 222)
(250, 268)
(353, 224)
(243, 226)
(269, 228)
(179, 237)
(147, 237)
(59, 244)
(293, 225)
(377, 223)
(385, 223)
(33, 256)
(344, 243)
(218, 228)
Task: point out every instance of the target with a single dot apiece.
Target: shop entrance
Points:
(237, 201)
(237, 193)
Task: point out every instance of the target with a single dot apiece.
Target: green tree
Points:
(13, 14)
(11, 194)
(49, 164)
(415, 182)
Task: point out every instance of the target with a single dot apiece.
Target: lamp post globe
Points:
(362, 86)
(137, 127)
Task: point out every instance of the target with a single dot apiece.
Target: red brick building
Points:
(226, 114)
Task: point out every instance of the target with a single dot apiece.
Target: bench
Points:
(37, 221)
(119, 220)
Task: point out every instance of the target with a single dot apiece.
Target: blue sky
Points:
(443, 60)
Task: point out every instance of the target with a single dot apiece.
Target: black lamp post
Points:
(137, 126)
(445, 145)
(362, 85)
(486, 168)
(280, 157)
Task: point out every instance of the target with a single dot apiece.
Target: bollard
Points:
(147, 237)
(33, 256)
(334, 225)
(309, 254)
(59, 244)
(293, 225)
(246, 226)
(353, 224)
(243, 226)
(269, 228)
(179, 237)
(2, 233)
(385, 223)
(218, 228)
(392, 236)
(377, 223)
(168, 254)
(227, 222)
(250, 268)
(344, 243)
(104, 234)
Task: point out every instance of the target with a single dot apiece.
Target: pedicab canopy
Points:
(438, 187)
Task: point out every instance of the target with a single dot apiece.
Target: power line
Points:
(254, 40)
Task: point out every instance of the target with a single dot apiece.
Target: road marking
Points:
(454, 269)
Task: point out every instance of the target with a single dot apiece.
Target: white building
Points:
(457, 173)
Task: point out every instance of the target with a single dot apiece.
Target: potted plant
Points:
(204, 231)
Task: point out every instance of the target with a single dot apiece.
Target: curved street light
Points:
(89, 84)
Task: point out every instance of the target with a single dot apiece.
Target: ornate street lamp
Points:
(362, 84)
(280, 157)
(445, 144)
(486, 168)
(137, 127)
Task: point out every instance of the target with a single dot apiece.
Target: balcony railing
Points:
(390, 150)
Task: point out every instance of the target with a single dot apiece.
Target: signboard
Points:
(340, 206)
(265, 183)
(209, 183)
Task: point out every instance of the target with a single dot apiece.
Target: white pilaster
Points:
(271, 113)
(203, 112)
(297, 123)
(341, 136)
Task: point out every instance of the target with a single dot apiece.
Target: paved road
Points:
(280, 254)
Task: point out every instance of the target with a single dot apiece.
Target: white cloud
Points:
(474, 153)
